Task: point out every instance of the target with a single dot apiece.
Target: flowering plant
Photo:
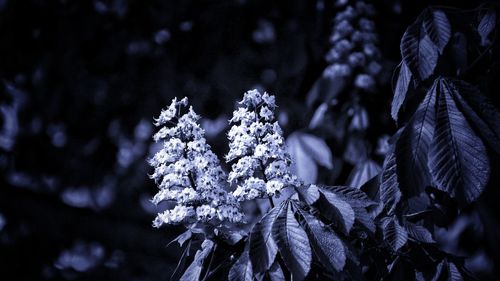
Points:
(188, 172)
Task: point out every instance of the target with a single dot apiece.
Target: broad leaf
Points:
(418, 51)
(419, 233)
(318, 116)
(458, 161)
(389, 185)
(326, 244)
(439, 271)
(413, 145)
(317, 150)
(242, 269)
(437, 26)
(448, 270)
(275, 272)
(303, 164)
(486, 25)
(354, 196)
(293, 244)
(337, 210)
(401, 89)
(263, 248)
(193, 272)
(309, 195)
(482, 115)
(364, 218)
(307, 151)
(362, 173)
(453, 273)
(360, 120)
(182, 238)
(394, 234)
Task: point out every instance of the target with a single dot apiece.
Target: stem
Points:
(210, 262)
(271, 202)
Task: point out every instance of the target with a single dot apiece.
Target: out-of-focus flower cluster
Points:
(189, 173)
(354, 53)
(261, 165)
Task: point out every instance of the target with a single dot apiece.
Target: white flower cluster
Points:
(189, 173)
(354, 52)
(261, 165)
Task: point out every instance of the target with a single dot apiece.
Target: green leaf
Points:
(480, 112)
(412, 146)
(458, 161)
(453, 273)
(353, 196)
(242, 269)
(359, 202)
(394, 234)
(418, 52)
(275, 272)
(326, 244)
(401, 89)
(293, 244)
(486, 25)
(263, 248)
(308, 151)
(419, 233)
(363, 172)
(437, 26)
(182, 238)
(390, 195)
(309, 195)
(337, 210)
(364, 218)
(193, 272)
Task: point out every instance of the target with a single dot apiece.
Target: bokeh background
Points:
(80, 83)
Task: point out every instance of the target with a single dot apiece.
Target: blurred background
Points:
(80, 83)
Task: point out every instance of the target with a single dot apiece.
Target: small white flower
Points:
(274, 186)
(266, 113)
(256, 143)
(260, 151)
(189, 173)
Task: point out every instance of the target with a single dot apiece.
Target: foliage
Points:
(381, 225)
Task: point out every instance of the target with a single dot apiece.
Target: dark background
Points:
(80, 82)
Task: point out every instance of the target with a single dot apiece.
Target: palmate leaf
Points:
(486, 25)
(394, 234)
(354, 196)
(401, 89)
(419, 52)
(363, 172)
(364, 218)
(359, 202)
(309, 195)
(326, 244)
(457, 159)
(242, 269)
(413, 145)
(418, 233)
(263, 248)
(293, 243)
(275, 273)
(307, 151)
(480, 112)
(390, 195)
(337, 210)
(193, 272)
(437, 26)
(447, 270)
